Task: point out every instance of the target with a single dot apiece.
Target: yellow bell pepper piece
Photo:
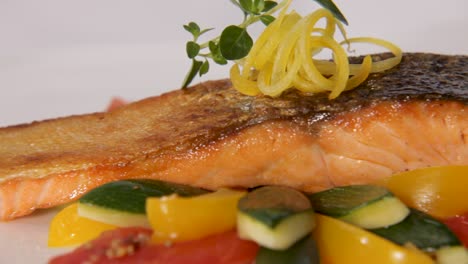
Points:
(340, 242)
(175, 218)
(438, 191)
(67, 228)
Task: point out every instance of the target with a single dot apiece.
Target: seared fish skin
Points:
(211, 136)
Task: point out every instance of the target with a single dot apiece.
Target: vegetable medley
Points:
(378, 223)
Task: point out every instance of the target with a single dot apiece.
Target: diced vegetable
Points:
(109, 247)
(175, 218)
(452, 255)
(110, 216)
(366, 206)
(438, 191)
(116, 103)
(421, 230)
(303, 251)
(275, 217)
(130, 245)
(122, 203)
(459, 225)
(340, 242)
(67, 228)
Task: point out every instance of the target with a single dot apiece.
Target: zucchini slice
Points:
(452, 255)
(275, 217)
(112, 216)
(421, 230)
(366, 206)
(122, 203)
(304, 251)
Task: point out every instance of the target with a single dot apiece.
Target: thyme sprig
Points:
(235, 42)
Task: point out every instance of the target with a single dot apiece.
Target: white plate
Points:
(70, 57)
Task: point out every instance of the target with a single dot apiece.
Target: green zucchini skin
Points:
(304, 251)
(366, 206)
(270, 217)
(272, 204)
(274, 216)
(130, 195)
(340, 201)
(421, 230)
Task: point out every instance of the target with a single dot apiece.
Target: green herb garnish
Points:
(234, 43)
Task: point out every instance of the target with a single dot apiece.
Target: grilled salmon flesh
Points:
(210, 135)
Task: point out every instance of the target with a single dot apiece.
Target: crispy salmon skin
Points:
(211, 136)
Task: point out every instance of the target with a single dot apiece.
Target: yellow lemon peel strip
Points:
(283, 58)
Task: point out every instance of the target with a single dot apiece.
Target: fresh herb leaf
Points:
(252, 6)
(204, 68)
(259, 6)
(193, 28)
(330, 6)
(196, 65)
(266, 20)
(216, 53)
(205, 30)
(235, 43)
(192, 49)
(246, 5)
(269, 5)
(236, 3)
(214, 48)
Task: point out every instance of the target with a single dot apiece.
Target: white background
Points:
(62, 57)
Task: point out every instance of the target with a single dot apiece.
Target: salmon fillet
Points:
(211, 136)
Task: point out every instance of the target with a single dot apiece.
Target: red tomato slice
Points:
(459, 225)
(225, 248)
(116, 103)
(131, 245)
(104, 246)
